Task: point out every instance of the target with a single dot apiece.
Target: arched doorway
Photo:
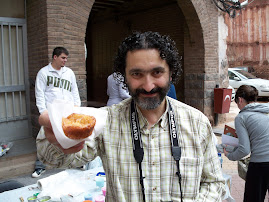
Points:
(107, 28)
(194, 27)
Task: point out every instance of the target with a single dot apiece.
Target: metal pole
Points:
(216, 114)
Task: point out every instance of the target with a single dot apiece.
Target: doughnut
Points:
(78, 126)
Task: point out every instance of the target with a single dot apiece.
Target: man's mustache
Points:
(143, 91)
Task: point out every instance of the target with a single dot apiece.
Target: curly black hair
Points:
(149, 40)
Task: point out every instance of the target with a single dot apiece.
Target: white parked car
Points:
(239, 77)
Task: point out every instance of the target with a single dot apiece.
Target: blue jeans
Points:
(39, 164)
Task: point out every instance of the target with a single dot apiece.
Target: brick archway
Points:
(201, 72)
(201, 54)
(194, 25)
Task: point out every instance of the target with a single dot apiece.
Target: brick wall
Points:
(37, 49)
(201, 54)
(248, 38)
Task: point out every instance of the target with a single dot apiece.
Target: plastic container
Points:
(32, 199)
(220, 159)
(45, 199)
(99, 198)
(88, 197)
(104, 191)
(100, 182)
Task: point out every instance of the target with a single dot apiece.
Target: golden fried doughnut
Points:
(78, 126)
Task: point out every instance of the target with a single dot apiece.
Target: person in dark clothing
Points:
(10, 185)
(172, 91)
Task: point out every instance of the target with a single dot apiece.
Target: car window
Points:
(231, 75)
(246, 74)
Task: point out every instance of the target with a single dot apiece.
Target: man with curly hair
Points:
(153, 147)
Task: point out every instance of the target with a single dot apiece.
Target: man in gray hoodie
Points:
(252, 128)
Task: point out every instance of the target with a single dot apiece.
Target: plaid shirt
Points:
(199, 165)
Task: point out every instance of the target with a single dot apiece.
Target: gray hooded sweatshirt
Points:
(252, 128)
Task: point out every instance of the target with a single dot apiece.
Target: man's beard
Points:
(149, 103)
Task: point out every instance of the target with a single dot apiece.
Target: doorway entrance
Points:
(108, 26)
(14, 91)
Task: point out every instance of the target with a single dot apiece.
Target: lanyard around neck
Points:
(138, 146)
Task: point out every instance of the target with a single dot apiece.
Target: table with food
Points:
(68, 185)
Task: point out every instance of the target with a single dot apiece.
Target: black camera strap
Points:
(176, 149)
(138, 147)
(137, 144)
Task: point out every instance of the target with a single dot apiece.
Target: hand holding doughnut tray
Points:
(72, 125)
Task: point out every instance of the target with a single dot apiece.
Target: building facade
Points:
(248, 38)
(30, 29)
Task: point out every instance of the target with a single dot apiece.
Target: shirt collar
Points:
(51, 69)
(163, 121)
(164, 118)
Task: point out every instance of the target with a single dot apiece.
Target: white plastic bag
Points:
(5, 147)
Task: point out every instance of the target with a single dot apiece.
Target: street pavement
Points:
(228, 167)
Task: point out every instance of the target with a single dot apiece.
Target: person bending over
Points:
(252, 129)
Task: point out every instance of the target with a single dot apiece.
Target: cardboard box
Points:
(228, 129)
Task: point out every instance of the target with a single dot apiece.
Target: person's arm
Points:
(112, 91)
(108, 85)
(212, 185)
(51, 153)
(243, 148)
(75, 92)
(40, 87)
(124, 94)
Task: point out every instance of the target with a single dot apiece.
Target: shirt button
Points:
(154, 188)
(153, 163)
(152, 137)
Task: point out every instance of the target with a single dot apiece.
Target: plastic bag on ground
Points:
(5, 147)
